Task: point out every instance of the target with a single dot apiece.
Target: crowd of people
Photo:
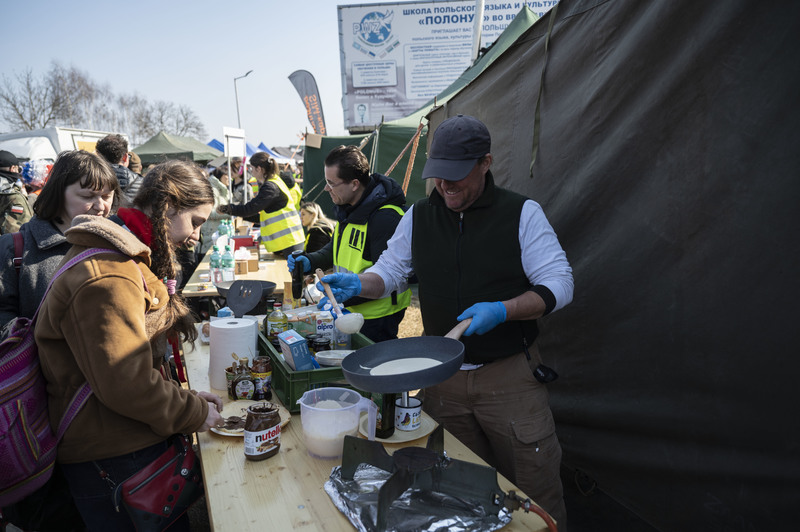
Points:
(110, 319)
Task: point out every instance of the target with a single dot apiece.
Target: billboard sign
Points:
(396, 56)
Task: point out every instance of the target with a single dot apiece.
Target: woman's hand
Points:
(213, 418)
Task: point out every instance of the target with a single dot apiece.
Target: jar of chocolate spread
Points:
(262, 431)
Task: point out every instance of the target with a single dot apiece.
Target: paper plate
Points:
(239, 408)
(426, 426)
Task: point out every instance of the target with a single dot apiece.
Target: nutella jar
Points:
(262, 431)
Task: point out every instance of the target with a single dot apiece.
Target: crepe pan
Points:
(448, 350)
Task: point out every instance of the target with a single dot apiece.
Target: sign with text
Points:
(396, 56)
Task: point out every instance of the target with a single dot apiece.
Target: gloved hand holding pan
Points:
(405, 364)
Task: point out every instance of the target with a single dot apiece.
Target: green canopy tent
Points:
(163, 147)
(390, 138)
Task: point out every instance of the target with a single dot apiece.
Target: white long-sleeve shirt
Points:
(543, 259)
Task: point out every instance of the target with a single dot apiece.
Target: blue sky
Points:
(189, 53)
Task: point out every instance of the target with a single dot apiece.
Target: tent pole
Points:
(476, 29)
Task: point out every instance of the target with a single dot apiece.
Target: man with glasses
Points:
(368, 209)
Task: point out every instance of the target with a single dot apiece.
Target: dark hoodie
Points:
(380, 191)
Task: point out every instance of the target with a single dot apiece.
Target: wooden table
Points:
(285, 492)
(271, 268)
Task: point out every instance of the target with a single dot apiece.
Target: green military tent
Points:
(163, 147)
(387, 142)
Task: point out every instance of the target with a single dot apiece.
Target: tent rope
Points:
(414, 141)
(411, 158)
(536, 119)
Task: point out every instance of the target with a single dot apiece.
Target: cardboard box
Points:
(295, 350)
(252, 262)
(243, 227)
(240, 267)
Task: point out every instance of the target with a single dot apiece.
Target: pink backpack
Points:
(27, 443)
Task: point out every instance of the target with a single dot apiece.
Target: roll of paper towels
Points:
(230, 336)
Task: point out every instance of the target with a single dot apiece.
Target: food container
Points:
(330, 414)
(289, 385)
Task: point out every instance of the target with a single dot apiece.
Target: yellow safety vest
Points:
(281, 229)
(349, 258)
(297, 196)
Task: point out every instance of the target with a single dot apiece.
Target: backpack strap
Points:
(85, 391)
(19, 246)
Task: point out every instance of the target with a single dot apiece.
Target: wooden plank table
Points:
(271, 267)
(285, 491)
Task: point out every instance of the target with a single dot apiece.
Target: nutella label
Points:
(262, 441)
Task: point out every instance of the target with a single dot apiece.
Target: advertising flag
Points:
(306, 87)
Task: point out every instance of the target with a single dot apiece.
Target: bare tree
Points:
(28, 103)
(69, 97)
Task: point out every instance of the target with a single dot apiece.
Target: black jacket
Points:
(381, 191)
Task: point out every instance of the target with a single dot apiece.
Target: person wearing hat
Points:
(13, 201)
(486, 253)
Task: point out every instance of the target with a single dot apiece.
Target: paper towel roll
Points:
(227, 336)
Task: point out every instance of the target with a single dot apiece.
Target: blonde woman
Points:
(319, 227)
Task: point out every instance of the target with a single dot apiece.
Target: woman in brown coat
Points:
(106, 321)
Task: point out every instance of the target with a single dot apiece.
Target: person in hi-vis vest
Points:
(281, 228)
(368, 209)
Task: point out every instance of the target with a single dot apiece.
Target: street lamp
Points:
(236, 90)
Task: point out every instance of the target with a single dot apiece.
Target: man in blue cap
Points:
(486, 253)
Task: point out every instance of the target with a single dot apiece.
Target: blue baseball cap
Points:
(458, 143)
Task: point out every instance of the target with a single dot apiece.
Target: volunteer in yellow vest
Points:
(281, 229)
(368, 209)
(293, 186)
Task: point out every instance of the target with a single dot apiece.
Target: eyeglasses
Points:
(330, 185)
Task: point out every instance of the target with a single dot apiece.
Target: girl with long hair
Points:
(106, 321)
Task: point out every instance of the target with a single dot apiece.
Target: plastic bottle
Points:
(277, 322)
(215, 266)
(228, 264)
(224, 229)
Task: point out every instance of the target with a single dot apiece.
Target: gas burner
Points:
(429, 470)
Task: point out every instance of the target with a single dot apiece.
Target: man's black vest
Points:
(469, 257)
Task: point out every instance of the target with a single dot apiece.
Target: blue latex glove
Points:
(343, 285)
(302, 259)
(485, 317)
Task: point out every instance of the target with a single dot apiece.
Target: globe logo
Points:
(375, 28)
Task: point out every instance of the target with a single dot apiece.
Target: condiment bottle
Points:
(243, 385)
(385, 426)
(262, 376)
(277, 322)
(262, 431)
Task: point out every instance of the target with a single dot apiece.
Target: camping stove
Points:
(453, 483)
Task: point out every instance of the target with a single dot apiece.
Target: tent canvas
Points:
(218, 145)
(163, 146)
(667, 165)
(390, 138)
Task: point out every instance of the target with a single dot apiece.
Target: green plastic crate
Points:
(290, 385)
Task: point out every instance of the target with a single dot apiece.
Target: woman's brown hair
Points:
(263, 160)
(178, 185)
(91, 170)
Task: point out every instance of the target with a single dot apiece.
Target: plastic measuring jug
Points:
(330, 414)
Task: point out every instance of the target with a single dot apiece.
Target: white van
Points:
(46, 144)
